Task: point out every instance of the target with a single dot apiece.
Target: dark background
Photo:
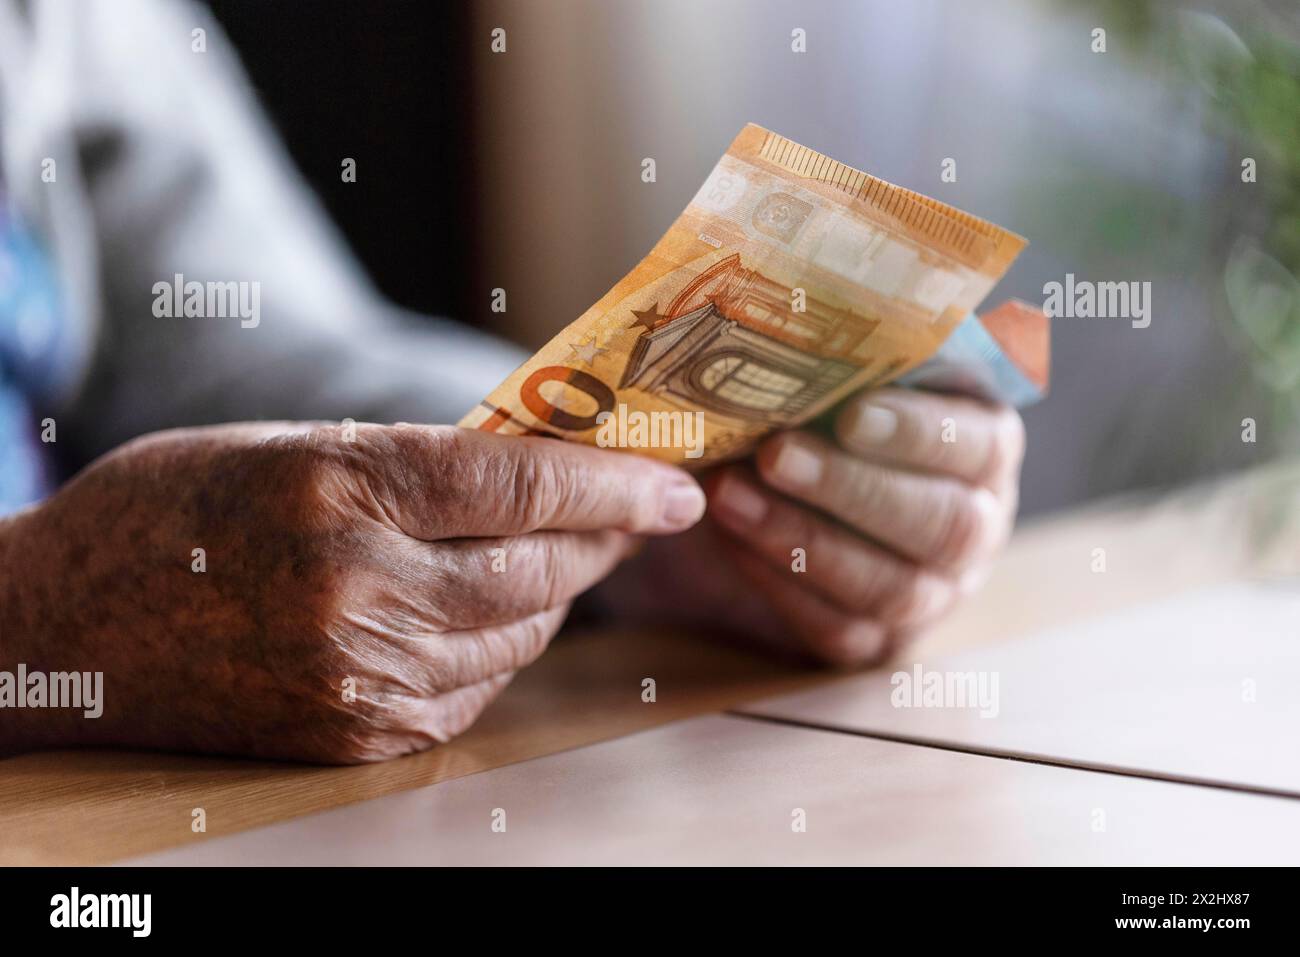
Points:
(389, 85)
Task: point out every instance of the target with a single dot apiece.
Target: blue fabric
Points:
(35, 353)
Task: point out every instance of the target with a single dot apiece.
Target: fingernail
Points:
(874, 424)
(737, 504)
(797, 465)
(683, 506)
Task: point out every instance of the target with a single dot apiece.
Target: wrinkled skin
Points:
(329, 564)
(899, 513)
(369, 565)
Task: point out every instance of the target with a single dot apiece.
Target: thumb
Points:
(447, 482)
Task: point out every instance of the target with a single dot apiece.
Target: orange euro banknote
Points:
(790, 282)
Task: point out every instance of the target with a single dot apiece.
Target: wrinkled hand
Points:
(357, 600)
(897, 517)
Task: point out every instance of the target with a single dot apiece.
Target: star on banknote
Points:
(587, 351)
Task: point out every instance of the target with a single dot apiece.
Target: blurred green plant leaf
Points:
(1216, 58)
(1264, 297)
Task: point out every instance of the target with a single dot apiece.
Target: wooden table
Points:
(99, 807)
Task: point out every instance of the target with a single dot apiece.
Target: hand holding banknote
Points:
(787, 294)
(841, 546)
(354, 597)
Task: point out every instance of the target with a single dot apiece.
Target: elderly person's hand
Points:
(288, 591)
(845, 547)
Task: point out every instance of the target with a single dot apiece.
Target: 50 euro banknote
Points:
(790, 282)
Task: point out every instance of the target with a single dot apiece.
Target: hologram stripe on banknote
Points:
(788, 282)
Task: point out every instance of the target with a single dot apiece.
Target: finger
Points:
(453, 713)
(477, 582)
(929, 519)
(950, 435)
(860, 578)
(442, 482)
(819, 628)
(438, 719)
(441, 663)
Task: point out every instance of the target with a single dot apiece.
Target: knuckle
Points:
(850, 642)
(448, 458)
(875, 489)
(789, 527)
(864, 576)
(918, 601)
(1007, 449)
(355, 744)
(442, 463)
(531, 640)
(444, 439)
(906, 597)
(642, 509)
(520, 643)
(387, 716)
(441, 443)
(537, 572)
(963, 522)
(437, 668)
(536, 484)
(476, 655)
(455, 716)
(451, 715)
(315, 477)
(351, 732)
